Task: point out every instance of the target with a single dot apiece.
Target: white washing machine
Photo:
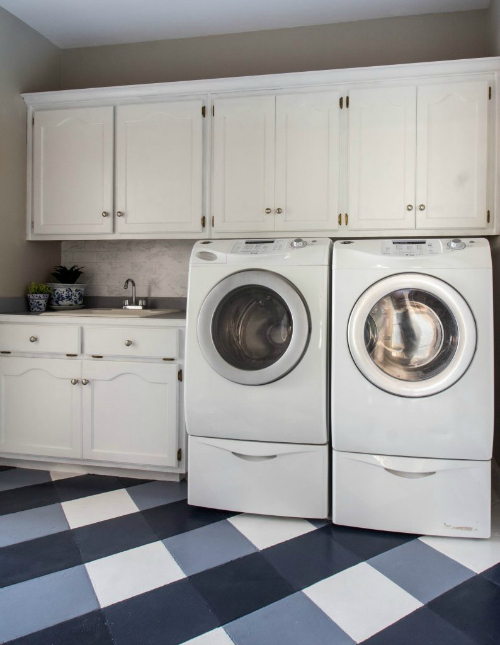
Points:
(412, 385)
(256, 387)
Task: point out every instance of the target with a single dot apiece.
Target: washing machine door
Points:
(412, 335)
(253, 327)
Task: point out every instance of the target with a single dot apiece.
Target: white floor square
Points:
(130, 573)
(215, 637)
(477, 555)
(265, 531)
(55, 475)
(97, 508)
(362, 601)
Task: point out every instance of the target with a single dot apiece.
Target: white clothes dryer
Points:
(412, 385)
(256, 393)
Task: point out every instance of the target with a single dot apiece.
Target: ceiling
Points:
(84, 23)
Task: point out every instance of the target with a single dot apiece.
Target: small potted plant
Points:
(66, 293)
(38, 296)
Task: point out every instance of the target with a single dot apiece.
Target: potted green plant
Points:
(38, 296)
(66, 293)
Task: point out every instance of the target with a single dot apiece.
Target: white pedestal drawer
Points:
(133, 341)
(44, 339)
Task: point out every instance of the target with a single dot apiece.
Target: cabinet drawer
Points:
(131, 341)
(48, 339)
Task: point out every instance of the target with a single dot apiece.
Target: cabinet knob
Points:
(85, 381)
(279, 211)
(268, 211)
(120, 214)
(128, 343)
(409, 207)
(33, 339)
(74, 381)
(105, 214)
(421, 207)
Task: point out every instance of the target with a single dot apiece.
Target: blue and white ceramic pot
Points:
(66, 295)
(38, 301)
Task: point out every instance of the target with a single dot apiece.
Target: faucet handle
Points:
(142, 302)
(126, 302)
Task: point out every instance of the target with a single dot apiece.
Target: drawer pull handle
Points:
(128, 343)
(33, 339)
(85, 381)
(421, 207)
(407, 475)
(254, 457)
(105, 214)
(120, 213)
(74, 381)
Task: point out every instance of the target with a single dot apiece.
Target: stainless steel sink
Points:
(113, 313)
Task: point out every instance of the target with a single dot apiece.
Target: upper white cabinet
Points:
(307, 161)
(276, 163)
(452, 145)
(159, 167)
(243, 164)
(381, 150)
(73, 171)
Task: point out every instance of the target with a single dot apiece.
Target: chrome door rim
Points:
(298, 311)
(464, 318)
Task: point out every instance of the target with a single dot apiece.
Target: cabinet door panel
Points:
(159, 167)
(243, 156)
(381, 140)
(130, 413)
(452, 150)
(40, 409)
(307, 161)
(73, 171)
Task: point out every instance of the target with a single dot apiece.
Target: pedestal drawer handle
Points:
(33, 339)
(408, 475)
(253, 457)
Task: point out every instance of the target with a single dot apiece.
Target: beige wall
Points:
(369, 42)
(28, 63)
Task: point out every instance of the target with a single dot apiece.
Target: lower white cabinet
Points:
(130, 412)
(40, 407)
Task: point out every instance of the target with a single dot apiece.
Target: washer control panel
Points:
(411, 248)
(258, 247)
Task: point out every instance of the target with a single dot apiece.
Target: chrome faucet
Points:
(135, 305)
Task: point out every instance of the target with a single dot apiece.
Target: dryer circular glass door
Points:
(412, 335)
(253, 327)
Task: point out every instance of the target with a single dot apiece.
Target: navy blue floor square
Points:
(310, 558)
(38, 557)
(89, 629)
(473, 608)
(86, 485)
(165, 616)
(113, 536)
(366, 543)
(26, 497)
(240, 587)
(493, 574)
(422, 627)
(179, 517)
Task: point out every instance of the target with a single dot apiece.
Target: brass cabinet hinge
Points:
(213, 220)
(32, 225)
(71, 355)
(213, 110)
(489, 92)
(33, 119)
(4, 352)
(347, 101)
(340, 219)
(203, 112)
(203, 221)
(488, 217)
(346, 219)
(179, 454)
(341, 102)
(96, 356)
(179, 375)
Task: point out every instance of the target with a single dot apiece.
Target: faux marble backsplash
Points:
(159, 267)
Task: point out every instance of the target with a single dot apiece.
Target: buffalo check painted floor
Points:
(109, 560)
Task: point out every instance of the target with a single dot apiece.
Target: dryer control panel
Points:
(411, 248)
(258, 247)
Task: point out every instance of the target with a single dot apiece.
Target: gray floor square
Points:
(31, 524)
(208, 547)
(157, 493)
(295, 620)
(420, 570)
(18, 477)
(33, 605)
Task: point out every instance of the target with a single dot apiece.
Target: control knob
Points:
(456, 244)
(298, 243)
